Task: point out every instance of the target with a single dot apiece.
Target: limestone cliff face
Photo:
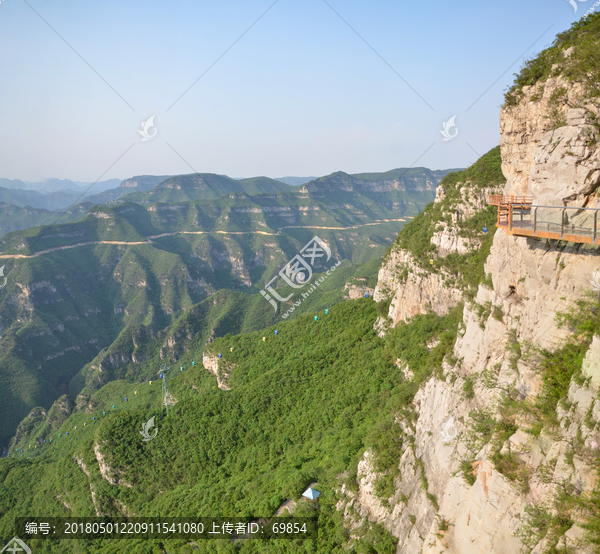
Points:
(548, 147)
(220, 369)
(416, 290)
(357, 288)
(434, 508)
(413, 289)
(340, 181)
(111, 475)
(566, 163)
(524, 126)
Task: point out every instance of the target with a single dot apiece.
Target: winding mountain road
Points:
(150, 238)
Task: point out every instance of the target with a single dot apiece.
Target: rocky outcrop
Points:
(549, 148)
(35, 417)
(591, 365)
(93, 492)
(413, 290)
(114, 361)
(177, 343)
(81, 464)
(448, 242)
(63, 502)
(220, 369)
(59, 412)
(532, 280)
(357, 288)
(448, 239)
(399, 513)
(340, 181)
(530, 286)
(566, 166)
(111, 475)
(524, 125)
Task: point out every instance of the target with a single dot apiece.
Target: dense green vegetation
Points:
(485, 172)
(582, 65)
(226, 312)
(111, 306)
(110, 302)
(365, 421)
(108, 305)
(204, 186)
(410, 340)
(416, 235)
(303, 407)
(411, 175)
(304, 404)
(14, 218)
(266, 214)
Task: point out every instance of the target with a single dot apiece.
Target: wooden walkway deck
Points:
(517, 215)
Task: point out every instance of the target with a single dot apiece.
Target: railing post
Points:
(562, 223)
(510, 217)
(535, 220)
(595, 225)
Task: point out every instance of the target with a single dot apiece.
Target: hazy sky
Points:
(300, 93)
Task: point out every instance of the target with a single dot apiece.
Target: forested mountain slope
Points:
(312, 398)
(84, 292)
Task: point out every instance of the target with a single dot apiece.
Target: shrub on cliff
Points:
(416, 235)
(583, 63)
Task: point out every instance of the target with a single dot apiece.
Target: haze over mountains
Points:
(94, 307)
(17, 198)
(409, 358)
(129, 261)
(55, 185)
(295, 181)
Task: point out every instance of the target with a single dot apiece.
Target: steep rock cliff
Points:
(484, 469)
(423, 268)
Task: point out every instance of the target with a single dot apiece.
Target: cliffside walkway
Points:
(517, 215)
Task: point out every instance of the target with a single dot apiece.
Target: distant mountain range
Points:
(22, 207)
(140, 183)
(203, 186)
(83, 291)
(52, 194)
(295, 181)
(55, 185)
(49, 201)
(15, 218)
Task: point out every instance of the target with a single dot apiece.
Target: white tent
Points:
(311, 493)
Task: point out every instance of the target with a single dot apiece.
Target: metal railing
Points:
(574, 224)
(501, 200)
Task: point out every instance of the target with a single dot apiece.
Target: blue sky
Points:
(299, 94)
